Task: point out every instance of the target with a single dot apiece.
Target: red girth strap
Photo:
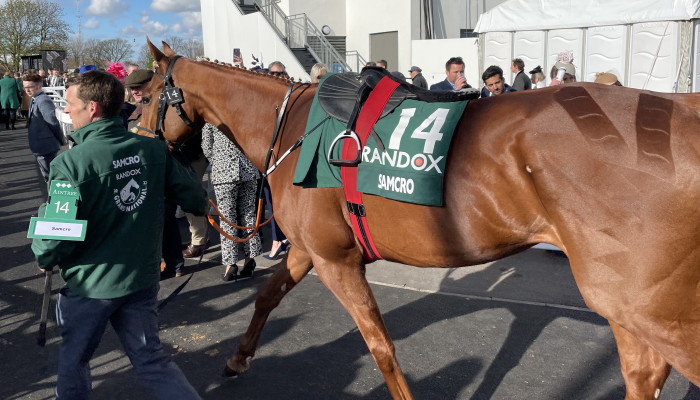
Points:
(369, 115)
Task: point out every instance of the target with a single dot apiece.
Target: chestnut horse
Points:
(610, 175)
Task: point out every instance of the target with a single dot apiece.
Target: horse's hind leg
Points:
(643, 368)
(292, 270)
(348, 283)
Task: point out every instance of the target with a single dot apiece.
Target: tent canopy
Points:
(529, 15)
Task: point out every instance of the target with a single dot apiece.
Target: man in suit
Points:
(521, 80)
(494, 84)
(455, 80)
(45, 135)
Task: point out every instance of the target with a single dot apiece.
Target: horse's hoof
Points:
(228, 372)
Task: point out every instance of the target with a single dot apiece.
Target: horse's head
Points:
(169, 110)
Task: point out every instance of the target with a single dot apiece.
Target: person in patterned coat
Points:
(235, 182)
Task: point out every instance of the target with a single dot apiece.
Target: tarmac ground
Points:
(516, 328)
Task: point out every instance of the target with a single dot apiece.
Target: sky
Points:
(133, 20)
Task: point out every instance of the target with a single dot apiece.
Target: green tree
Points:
(145, 58)
(27, 26)
(18, 35)
(53, 30)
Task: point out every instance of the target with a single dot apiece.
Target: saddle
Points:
(341, 94)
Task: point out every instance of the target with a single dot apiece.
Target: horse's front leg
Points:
(643, 368)
(294, 267)
(345, 277)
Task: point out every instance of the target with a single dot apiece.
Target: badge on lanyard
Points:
(59, 222)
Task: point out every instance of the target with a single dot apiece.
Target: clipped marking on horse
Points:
(654, 154)
(585, 111)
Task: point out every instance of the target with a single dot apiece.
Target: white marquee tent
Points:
(649, 44)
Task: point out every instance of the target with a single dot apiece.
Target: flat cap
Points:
(138, 78)
(415, 69)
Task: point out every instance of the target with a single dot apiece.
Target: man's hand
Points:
(460, 82)
(238, 61)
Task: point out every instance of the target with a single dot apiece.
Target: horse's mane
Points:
(229, 67)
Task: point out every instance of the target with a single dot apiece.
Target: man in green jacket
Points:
(112, 276)
(9, 100)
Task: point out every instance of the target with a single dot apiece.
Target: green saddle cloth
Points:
(416, 137)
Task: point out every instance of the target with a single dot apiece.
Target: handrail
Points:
(359, 63)
(314, 40)
(238, 5)
(275, 16)
(297, 31)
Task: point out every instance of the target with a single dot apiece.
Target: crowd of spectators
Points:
(494, 82)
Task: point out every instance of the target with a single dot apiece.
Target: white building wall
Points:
(385, 16)
(225, 28)
(528, 46)
(695, 51)
(607, 50)
(500, 51)
(449, 16)
(322, 12)
(654, 55)
(431, 56)
(560, 40)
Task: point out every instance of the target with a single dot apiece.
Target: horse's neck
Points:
(245, 110)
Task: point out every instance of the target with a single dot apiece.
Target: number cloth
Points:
(416, 137)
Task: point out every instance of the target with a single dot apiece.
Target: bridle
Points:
(170, 96)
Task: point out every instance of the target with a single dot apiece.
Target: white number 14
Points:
(60, 207)
(437, 119)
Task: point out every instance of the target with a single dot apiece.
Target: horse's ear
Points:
(157, 54)
(167, 50)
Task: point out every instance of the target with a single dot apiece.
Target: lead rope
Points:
(258, 215)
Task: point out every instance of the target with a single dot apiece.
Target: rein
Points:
(281, 112)
(171, 95)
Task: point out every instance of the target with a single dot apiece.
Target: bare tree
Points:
(77, 47)
(52, 30)
(18, 35)
(114, 50)
(175, 42)
(102, 52)
(92, 53)
(192, 49)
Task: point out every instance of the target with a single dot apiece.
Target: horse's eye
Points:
(145, 100)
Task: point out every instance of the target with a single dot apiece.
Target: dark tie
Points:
(31, 110)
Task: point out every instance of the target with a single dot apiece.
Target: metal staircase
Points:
(305, 40)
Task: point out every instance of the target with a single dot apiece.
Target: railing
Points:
(355, 60)
(275, 16)
(303, 33)
(299, 32)
(238, 5)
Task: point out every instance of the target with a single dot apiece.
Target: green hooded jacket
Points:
(123, 180)
(9, 90)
